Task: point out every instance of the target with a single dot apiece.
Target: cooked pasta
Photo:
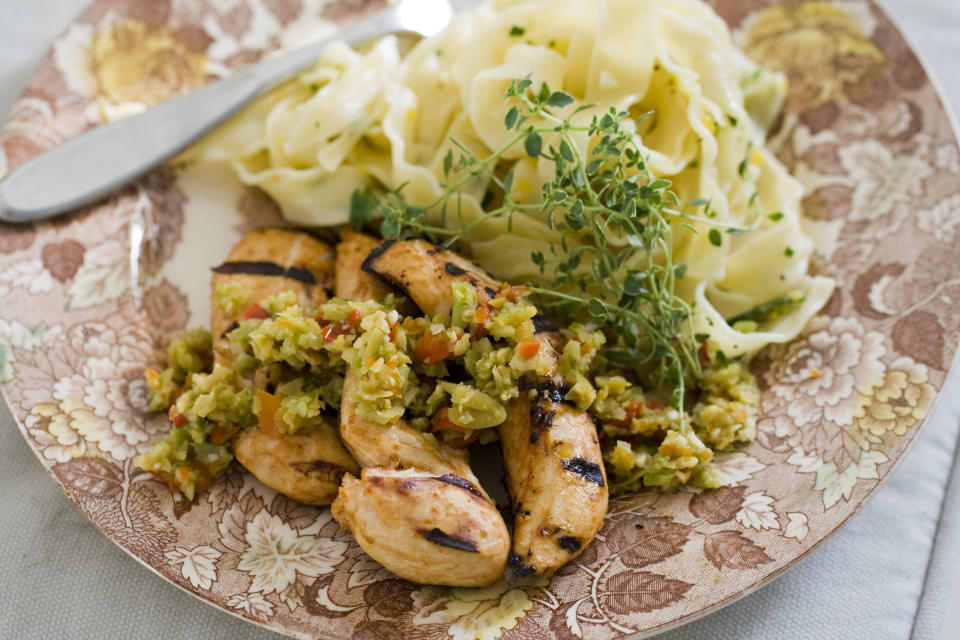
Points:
(699, 106)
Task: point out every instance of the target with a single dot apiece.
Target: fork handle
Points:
(95, 163)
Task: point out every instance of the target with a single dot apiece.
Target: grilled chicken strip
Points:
(350, 280)
(308, 465)
(268, 262)
(555, 477)
(552, 457)
(395, 446)
(426, 528)
(425, 272)
(417, 508)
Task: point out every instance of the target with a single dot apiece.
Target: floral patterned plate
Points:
(87, 301)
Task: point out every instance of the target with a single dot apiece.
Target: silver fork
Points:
(99, 161)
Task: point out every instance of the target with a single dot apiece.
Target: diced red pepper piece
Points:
(354, 317)
(255, 312)
(432, 348)
(529, 349)
(167, 479)
(482, 315)
(220, 434)
(632, 409)
(178, 419)
(480, 318)
(331, 332)
(442, 421)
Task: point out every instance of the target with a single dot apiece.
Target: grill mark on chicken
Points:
(546, 389)
(436, 536)
(541, 415)
(540, 420)
(519, 568)
(590, 471)
(265, 268)
(378, 251)
(543, 323)
(300, 275)
(233, 325)
(454, 270)
(408, 485)
(424, 272)
(319, 470)
(569, 543)
(463, 483)
(550, 391)
(367, 267)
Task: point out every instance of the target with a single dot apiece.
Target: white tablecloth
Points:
(890, 573)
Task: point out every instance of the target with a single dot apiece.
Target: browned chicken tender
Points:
(424, 273)
(394, 446)
(554, 467)
(417, 508)
(419, 511)
(555, 476)
(308, 465)
(427, 528)
(351, 282)
(265, 263)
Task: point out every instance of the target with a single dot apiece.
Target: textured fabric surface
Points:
(891, 570)
(935, 615)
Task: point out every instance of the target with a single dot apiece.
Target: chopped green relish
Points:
(209, 409)
(192, 352)
(296, 359)
(231, 298)
(655, 445)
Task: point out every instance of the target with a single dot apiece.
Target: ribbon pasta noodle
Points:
(382, 119)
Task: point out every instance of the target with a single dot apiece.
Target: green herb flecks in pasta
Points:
(770, 310)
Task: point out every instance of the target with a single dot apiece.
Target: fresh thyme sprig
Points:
(614, 261)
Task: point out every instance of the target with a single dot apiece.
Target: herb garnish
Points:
(626, 286)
